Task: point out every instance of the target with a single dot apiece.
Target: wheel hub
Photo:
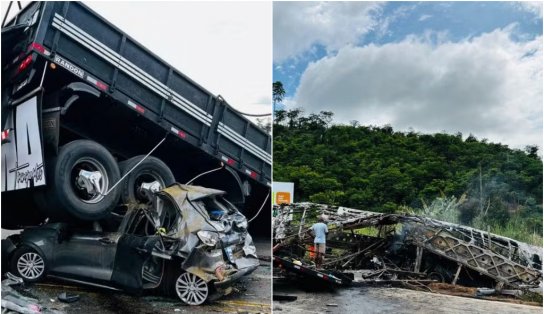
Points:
(91, 181)
(30, 265)
(191, 289)
(146, 190)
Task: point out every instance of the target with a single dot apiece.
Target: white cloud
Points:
(531, 6)
(424, 17)
(382, 27)
(225, 47)
(488, 85)
(300, 25)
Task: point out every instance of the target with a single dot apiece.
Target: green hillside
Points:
(468, 181)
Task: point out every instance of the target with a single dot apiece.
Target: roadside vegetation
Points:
(455, 178)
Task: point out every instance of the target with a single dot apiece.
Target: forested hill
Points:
(378, 169)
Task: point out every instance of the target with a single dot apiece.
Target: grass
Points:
(446, 209)
(515, 228)
(368, 231)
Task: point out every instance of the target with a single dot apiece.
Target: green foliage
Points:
(443, 208)
(278, 92)
(515, 228)
(378, 169)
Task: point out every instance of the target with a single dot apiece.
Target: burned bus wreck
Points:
(189, 242)
(369, 247)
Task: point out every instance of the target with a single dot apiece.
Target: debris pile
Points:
(370, 247)
(14, 302)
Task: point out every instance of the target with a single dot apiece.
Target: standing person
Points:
(320, 232)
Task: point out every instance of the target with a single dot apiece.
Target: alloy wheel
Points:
(30, 265)
(191, 289)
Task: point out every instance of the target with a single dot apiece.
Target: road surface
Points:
(372, 299)
(252, 294)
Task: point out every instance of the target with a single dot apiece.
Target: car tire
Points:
(151, 169)
(173, 279)
(65, 198)
(28, 264)
(191, 289)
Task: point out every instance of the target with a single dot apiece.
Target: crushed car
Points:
(189, 242)
(372, 247)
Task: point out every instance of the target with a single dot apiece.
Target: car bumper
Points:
(231, 279)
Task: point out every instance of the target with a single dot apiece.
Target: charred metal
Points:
(370, 247)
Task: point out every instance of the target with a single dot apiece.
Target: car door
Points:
(86, 255)
(135, 266)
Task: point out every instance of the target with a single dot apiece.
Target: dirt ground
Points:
(252, 294)
(370, 300)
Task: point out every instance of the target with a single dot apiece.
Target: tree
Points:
(279, 116)
(532, 151)
(376, 168)
(294, 117)
(278, 92)
(265, 124)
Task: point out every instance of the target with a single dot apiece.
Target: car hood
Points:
(180, 192)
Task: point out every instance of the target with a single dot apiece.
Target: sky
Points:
(226, 47)
(428, 67)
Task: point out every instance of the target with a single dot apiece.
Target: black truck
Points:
(90, 116)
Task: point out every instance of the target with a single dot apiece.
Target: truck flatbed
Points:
(323, 276)
(93, 51)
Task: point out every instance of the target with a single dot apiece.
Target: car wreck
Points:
(369, 247)
(189, 242)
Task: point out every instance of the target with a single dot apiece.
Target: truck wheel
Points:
(78, 179)
(151, 170)
(28, 264)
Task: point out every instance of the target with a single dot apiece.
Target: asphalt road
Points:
(371, 300)
(252, 294)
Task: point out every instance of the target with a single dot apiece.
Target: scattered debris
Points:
(322, 275)
(488, 291)
(14, 302)
(68, 297)
(409, 250)
(284, 297)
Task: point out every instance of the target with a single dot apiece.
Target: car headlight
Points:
(242, 224)
(208, 238)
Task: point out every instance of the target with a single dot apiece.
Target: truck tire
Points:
(151, 169)
(66, 195)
